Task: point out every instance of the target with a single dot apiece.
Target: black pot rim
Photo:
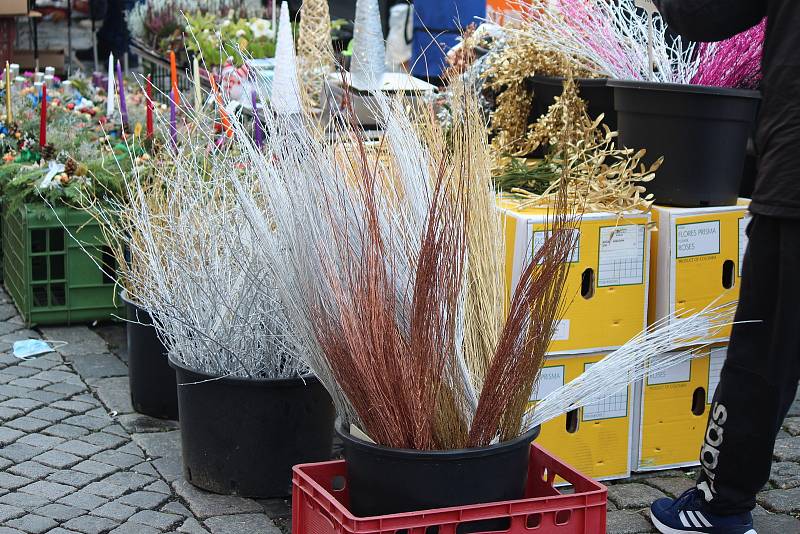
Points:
(304, 380)
(588, 82)
(413, 454)
(684, 88)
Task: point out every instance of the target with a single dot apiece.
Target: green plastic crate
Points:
(49, 275)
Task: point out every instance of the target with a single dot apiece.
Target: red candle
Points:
(149, 101)
(43, 118)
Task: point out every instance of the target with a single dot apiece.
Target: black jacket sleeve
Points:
(711, 20)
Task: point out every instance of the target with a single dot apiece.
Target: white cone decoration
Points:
(285, 86)
(369, 50)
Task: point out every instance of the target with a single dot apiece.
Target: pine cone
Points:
(71, 167)
(48, 152)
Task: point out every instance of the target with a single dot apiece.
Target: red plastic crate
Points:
(318, 508)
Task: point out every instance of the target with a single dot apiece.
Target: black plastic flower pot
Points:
(242, 436)
(383, 480)
(700, 131)
(154, 390)
(598, 95)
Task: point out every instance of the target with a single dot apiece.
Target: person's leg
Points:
(759, 379)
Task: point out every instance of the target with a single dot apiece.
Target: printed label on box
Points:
(621, 255)
(697, 239)
(743, 239)
(681, 372)
(550, 379)
(561, 331)
(716, 360)
(539, 237)
(609, 408)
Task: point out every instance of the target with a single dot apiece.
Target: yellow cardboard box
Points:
(596, 439)
(608, 279)
(672, 411)
(696, 259)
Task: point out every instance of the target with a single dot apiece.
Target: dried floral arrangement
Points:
(84, 155)
(603, 176)
(613, 39)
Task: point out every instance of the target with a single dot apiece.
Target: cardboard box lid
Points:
(13, 7)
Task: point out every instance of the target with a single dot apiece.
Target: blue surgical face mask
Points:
(28, 349)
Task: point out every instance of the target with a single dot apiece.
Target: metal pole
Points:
(94, 35)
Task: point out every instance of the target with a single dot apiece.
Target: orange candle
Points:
(173, 73)
(226, 123)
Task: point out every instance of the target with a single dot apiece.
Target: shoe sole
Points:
(664, 529)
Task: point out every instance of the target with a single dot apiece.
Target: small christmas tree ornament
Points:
(314, 48)
(285, 84)
(369, 50)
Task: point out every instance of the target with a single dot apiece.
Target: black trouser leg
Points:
(760, 376)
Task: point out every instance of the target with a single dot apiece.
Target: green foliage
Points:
(217, 40)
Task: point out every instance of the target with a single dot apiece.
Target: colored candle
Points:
(173, 74)
(258, 134)
(149, 103)
(173, 120)
(196, 75)
(9, 117)
(226, 123)
(43, 118)
(123, 106)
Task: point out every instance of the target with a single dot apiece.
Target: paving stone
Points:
(73, 478)
(129, 480)
(137, 423)
(159, 486)
(21, 403)
(776, 523)
(61, 530)
(119, 459)
(89, 524)
(27, 423)
(191, 526)
(49, 490)
(276, 508)
(95, 468)
(241, 524)
(9, 512)
(205, 505)
(132, 448)
(54, 376)
(145, 468)
(134, 528)
(7, 414)
(780, 500)
(73, 406)
(47, 397)
(113, 393)
(57, 459)
(116, 429)
(633, 495)
(84, 500)
(143, 499)
(171, 469)
(785, 475)
(41, 440)
(31, 469)
(87, 421)
(159, 445)
(52, 415)
(12, 482)
(157, 520)
(9, 435)
(177, 508)
(60, 512)
(98, 365)
(792, 425)
(627, 522)
(66, 388)
(66, 431)
(787, 450)
(20, 371)
(32, 523)
(79, 448)
(20, 452)
(29, 382)
(23, 500)
(105, 489)
(115, 510)
(105, 440)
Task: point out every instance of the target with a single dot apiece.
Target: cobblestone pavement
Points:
(75, 458)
